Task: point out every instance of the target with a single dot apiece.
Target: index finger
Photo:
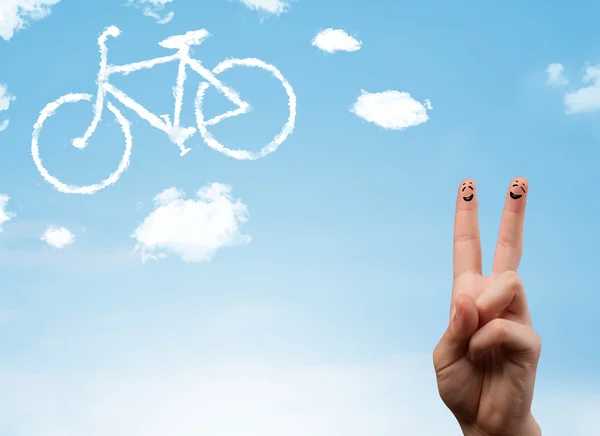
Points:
(467, 245)
(510, 236)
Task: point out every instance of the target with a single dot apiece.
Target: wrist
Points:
(529, 428)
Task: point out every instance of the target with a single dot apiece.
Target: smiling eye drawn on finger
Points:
(467, 195)
(517, 190)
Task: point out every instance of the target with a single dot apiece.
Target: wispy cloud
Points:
(587, 98)
(392, 110)
(58, 237)
(4, 214)
(271, 6)
(17, 14)
(193, 229)
(332, 40)
(153, 9)
(555, 75)
(392, 396)
(5, 100)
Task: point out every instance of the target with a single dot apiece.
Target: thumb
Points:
(455, 342)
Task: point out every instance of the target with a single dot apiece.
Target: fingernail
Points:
(453, 312)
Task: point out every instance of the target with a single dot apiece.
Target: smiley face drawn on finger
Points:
(517, 190)
(467, 195)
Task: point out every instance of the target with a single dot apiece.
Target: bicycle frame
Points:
(174, 129)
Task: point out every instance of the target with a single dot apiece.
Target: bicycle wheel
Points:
(241, 154)
(47, 112)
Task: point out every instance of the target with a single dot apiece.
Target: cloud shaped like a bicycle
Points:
(172, 127)
(193, 229)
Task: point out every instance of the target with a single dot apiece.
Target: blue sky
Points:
(324, 322)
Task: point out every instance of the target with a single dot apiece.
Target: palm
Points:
(489, 392)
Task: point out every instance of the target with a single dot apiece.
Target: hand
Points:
(487, 359)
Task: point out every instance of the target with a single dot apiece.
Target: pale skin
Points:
(487, 359)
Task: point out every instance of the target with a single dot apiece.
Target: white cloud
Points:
(16, 14)
(272, 6)
(586, 99)
(388, 397)
(392, 110)
(332, 40)
(555, 75)
(4, 214)
(192, 229)
(5, 100)
(153, 8)
(58, 237)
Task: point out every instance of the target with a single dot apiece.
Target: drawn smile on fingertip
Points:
(467, 198)
(516, 196)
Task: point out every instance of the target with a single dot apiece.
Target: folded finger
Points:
(510, 236)
(519, 340)
(505, 294)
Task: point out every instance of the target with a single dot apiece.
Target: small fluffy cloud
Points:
(193, 229)
(392, 110)
(58, 237)
(272, 6)
(16, 14)
(332, 40)
(586, 99)
(5, 100)
(4, 214)
(555, 75)
(153, 9)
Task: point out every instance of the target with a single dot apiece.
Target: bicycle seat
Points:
(194, 37)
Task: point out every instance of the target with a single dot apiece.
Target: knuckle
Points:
(507, 241)
(438, 359)
(500, 329)
(513, 281)
(465, 237)
(537, 343)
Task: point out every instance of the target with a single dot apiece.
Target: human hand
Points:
(487, 359)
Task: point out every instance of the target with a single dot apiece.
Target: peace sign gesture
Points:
(487, 359)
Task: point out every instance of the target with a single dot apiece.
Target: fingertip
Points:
(523, 180)
(465, 182)
(467, 317)
(516, 196)
(467, 194)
